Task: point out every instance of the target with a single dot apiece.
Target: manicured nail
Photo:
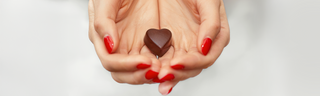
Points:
(205, 47)
(143, 66)
(177, 67)
(168, 77)
(151, 74)
(157, 80)
(108, 43)
(169, 90)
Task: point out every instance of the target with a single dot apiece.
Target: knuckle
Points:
(90, 35)
(139, 57)
(207, 65)
(195, 73)
(135, 82)
(216, 25)
(115, 78)
(118, 81)
(98, 24)
(108, 67)
(228, 39)
(138, 78)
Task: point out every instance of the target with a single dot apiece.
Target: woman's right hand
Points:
(117, 29)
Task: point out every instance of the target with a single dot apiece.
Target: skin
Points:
(126, 21)
(191, 21)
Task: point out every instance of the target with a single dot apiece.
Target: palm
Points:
(134, 18)
(183, 23)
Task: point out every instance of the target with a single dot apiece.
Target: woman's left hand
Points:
(200, 31)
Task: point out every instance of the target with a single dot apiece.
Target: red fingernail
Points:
(157, 80)
(168, 77)
(151, 74)
(205, 47)
(143, 66)
(169, 90)
(177, 67)
(108, 43)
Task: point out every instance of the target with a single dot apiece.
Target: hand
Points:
(200, 31)
(116, 29)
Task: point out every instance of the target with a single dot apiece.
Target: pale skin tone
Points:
(190, 21)
(126, 21)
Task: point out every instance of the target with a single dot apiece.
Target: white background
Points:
(274, 51)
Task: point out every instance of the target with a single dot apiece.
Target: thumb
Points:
(165, 88)
(104, 22)
(209, 12)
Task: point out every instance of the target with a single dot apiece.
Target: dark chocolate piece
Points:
(158, 41)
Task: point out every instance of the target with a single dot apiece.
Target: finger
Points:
(120, 62)
(93, 35)
(221, 40)
(224, 24)
(156, 65)
(169, 74)
(192, 66)
(195, 60)
(166, 87)
(136, 77)
(181, 75)
(104, 22)
(210, 23)
(165, 73)
(91, 21)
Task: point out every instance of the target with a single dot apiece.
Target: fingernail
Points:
(108, 43)
(151, 74)
(157, 80)
(205, 47)
(143, 66)
(168, 77)
(169, 90)
(177, 67)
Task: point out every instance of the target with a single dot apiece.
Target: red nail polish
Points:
(143, 66)
(177, 67)
(157, 80)
(168, 77)
(169, 90)
(205, 47)
(151, 74)
(108, 43)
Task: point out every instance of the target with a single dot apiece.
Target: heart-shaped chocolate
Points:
(158, 41)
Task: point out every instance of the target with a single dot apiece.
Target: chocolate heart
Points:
(158, 41)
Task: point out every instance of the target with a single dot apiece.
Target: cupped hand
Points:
(116, 29)
(200, 31)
